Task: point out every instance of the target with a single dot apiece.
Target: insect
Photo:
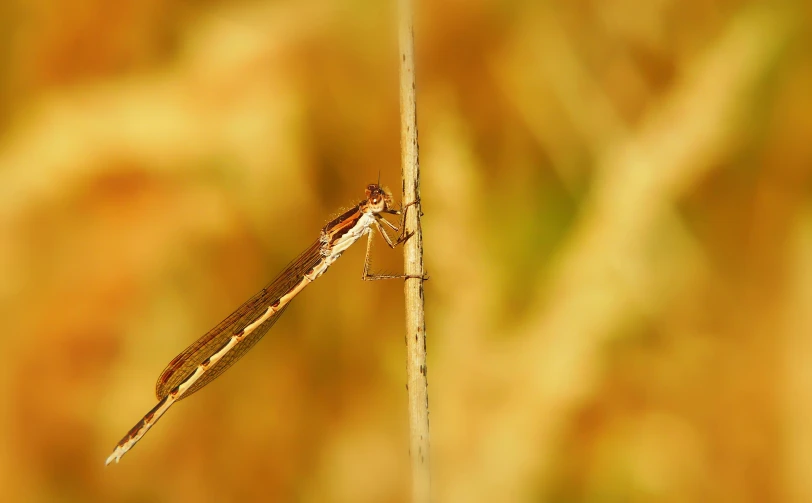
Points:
(217, 350)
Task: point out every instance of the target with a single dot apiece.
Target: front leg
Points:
(402, 237)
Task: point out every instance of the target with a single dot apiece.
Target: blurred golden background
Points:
(617, 225)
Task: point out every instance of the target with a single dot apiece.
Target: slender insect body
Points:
(214, 352)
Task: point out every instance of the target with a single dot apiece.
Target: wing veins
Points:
(185, 363)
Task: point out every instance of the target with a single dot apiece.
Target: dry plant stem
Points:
(413, 265)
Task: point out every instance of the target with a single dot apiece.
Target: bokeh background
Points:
(618, 229)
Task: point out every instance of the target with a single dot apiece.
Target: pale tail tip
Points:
(113, 457)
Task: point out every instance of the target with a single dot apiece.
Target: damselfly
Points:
(213, 353)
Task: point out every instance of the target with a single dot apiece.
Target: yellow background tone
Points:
(618, 230)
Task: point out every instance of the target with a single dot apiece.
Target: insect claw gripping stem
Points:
(404, 236)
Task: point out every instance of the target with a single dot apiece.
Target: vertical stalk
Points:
(416, 368)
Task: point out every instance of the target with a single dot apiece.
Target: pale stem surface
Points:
(416, 369)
